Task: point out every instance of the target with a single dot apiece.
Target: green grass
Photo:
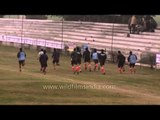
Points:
(28, 87)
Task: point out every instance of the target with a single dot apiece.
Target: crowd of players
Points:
(98, 60)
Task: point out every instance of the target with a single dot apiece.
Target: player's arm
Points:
(71, 54)
(128, 58)
(83, 54)
(105, 57)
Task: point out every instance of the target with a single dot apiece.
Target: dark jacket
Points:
(102, 57)
(121, 58)
(55, 55)
(86, 55)
(43, 60)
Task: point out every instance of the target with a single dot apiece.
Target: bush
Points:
(148, 58)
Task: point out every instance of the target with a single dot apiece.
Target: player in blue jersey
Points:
(94, 57)
(132, 59)
(21, 55)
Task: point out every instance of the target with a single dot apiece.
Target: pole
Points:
(22, 31)
(62, 33)
(112, 38)
(112, 42)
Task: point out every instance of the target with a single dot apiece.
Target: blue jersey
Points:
(95, 56)
(132, 58)
(21, 55)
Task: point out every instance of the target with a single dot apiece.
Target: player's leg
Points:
(57, 62)
(80, 70)
(123, 68)
(134, 69)
(95, 65)
(20, 62)
(102, 69)
(23, 62)
(119, 67)
(131, 68)
(44, 70)
(45, 67)
(78, 66)
(85, 64)
(73, 66)
(54, 66)
(89, 66)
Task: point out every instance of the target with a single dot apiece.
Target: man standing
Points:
(79, 57)
(55, 57)
(74, 60)
(102, 59)
(121, 62)
(21, 55)
(39, 54)
(132, 59)
(43, 60)
(94, 57)
(86, 57)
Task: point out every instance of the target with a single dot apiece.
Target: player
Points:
(121, 61)
(132, 59)
(21, 55)
(86, 57)
(94, 57)
(102, 59)
(79, 57)
(55, 57)
(43, 60)
(39, 54)
(74, 60)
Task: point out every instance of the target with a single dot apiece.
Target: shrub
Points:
(148, 58)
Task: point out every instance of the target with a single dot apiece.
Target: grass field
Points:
(61, 86)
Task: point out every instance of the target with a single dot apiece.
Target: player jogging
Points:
(121, 62)
(55, 57)
(39, 54)
(86, 57)
(21, 55)
(102, 59)
(94, 57)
